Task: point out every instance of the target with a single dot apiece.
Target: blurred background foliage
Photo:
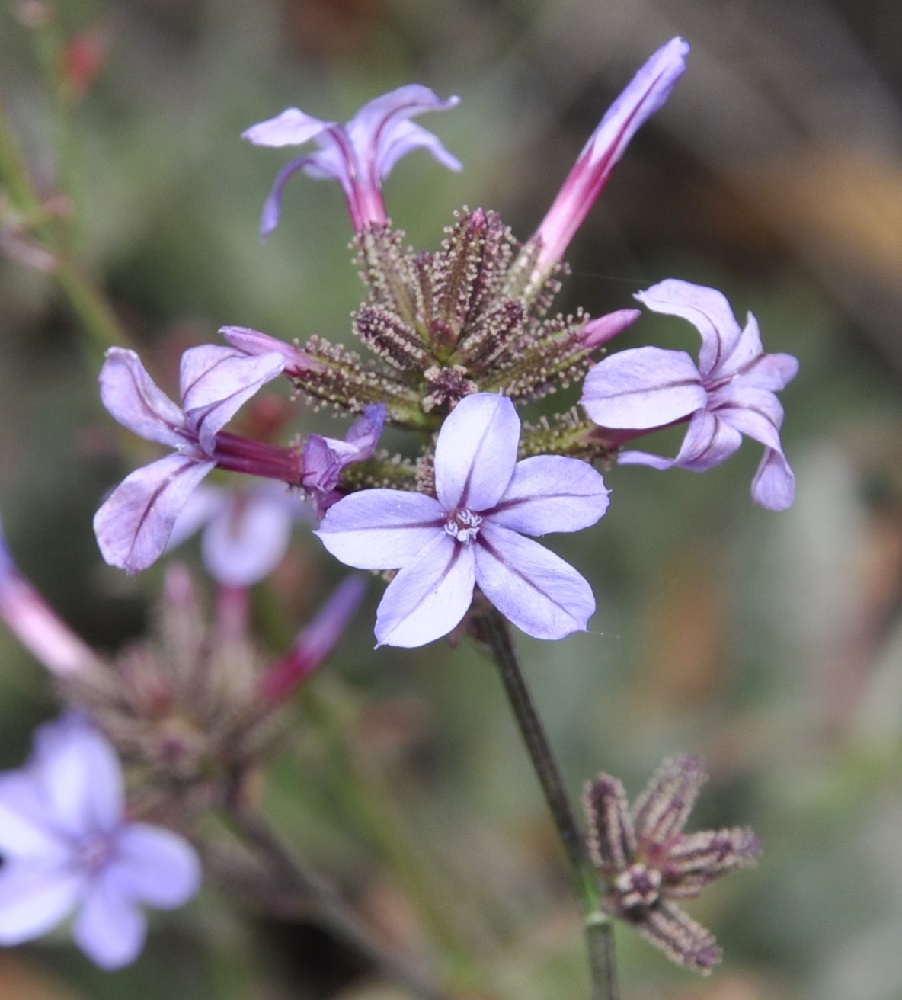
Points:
(770, 644)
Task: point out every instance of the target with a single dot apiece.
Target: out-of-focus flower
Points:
(729, 393)
(645, 93)
(36, 625)
(359, 155)
(472, 534)
(134, 523)
(245, 531)
(324, 458)
(67, 846)
(647, 861)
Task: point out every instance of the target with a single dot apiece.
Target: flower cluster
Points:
(460, 336)
(647, 862)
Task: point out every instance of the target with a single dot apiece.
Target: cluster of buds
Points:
(192, 708)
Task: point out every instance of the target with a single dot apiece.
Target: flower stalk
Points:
(491, 629)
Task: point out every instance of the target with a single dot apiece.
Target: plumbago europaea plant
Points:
(460, 337)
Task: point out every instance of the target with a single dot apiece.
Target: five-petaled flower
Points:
(646, 860)
(66, 846)
(135, 522)
(472, 532)
(729, 393)
(358, 155)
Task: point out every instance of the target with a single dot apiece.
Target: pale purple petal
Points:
(272, 207)
(381, 529)
(366, 430)
(708, 442)
(756, 413)
(645, 458)
(380, 133)
(250, 537)
(774, 484)
(706, 309)
(429, 596)
(34, 897)
(323, 459)
(80, 778)
(135, 522)
(540, 593)
(24, 827)
(216, 382)
(110, 929)
(291, 128)
(551, 493)
(772, 372)
(405, 137)
(154, 866)
(476, 452)
(642, 387)
(137, 402)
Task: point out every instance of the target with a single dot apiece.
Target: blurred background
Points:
(769, 644)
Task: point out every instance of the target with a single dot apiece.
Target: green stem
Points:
(328, 905)
(491, 628)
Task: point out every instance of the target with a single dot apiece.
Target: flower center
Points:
(463, 524)
(94, 852)
(638, 886)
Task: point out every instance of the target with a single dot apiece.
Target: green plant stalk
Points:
(491, 628)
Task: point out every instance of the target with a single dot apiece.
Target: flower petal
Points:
(79, 775)
(774, 484)
(250, 537)
(380, 133)
(756, 413)
(110, 929)
(540, 593)
(706, 309)
(135, 522)
(155, 866)
(217, 381)
(551, 493)
(25, 829)
(429, 596)
(381, 529)
(708, 442)
(682, 940)
(476, 452)
(291, 128)
(642, 387)
(137, 402)
(35, 897)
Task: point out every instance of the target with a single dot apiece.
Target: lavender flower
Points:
(647, 862)
(472, 533)
(729, 393)
(646, 92)
(246, 532)
(358, 155)
(134, 524)
(67, 846)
